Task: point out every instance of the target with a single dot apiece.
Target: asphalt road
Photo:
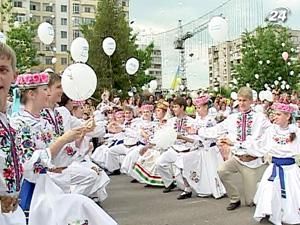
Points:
(133, 204)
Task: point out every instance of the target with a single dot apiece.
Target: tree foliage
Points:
(262, 65)
(110, 22)
(21, 38)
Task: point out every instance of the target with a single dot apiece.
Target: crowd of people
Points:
(58, 155)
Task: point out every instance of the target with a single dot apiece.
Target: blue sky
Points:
(160, 15)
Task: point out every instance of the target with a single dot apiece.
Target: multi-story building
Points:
(155, 69)
(156, 66)
(66, 16)
(224, 56)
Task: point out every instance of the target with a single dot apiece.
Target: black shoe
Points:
(184, 195)
(168, 189)
(134, 181)
(233, 206)
(115, 172)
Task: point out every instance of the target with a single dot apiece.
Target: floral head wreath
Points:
(25, 81)
(78, 103)
(201, 100)
(148, 107)
(283, 107)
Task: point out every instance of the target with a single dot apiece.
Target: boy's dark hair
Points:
(180, 101)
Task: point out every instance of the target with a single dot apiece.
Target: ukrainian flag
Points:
(176, 80)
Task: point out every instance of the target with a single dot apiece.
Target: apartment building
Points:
(66, 16)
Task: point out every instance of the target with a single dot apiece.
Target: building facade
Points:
(66, 16)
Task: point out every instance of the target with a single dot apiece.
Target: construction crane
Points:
(180, 45)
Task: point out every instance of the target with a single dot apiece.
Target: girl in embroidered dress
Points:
(11, 169)
(278, 194)
(200, 167)
(144, 169)
(146, 128)
(78, 178)
(40, 152)
(96, 191)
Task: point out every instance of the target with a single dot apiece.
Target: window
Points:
(33, 7)
(63, 21)
(63, 8)
(63, 34)
(76, 34)
(18, 4)
(87, 9)
(124, 3)
(49, 8)
(76, 21)
(76, 9)
(87, 20)
(63, 48)
(48, 60)
(63, 61)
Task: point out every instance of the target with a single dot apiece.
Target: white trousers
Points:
(164, 166)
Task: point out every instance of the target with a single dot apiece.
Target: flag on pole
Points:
(176, 80)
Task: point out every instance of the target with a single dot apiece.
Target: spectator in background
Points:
(190, 109)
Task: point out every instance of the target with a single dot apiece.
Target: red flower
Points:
(9, 173)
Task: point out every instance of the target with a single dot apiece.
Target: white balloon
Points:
(266, 85)
(130, 93)
(171, 91)
(2, 38)
(256, 76)
(287, 86)
(233, 95)
(109, 46)
(153, 84)
(80, 50)
(269, 96)
(218, 28)
(53, 60)
(164, 138)
(182, 87)
(254, 94)
(46, 33)
(79, 81)
(143, 88)
(261, 95)
(282, 86)
(132, 66)
(276, 82)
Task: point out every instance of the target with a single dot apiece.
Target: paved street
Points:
(133, 204)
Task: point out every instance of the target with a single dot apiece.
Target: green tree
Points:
(21, 39)
(110, 22)
(262, 64)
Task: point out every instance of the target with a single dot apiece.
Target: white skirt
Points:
(51, 206)
(268, 198)
(15, 218)
(145, 169)
(200, 171)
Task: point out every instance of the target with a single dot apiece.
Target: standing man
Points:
(10, 165)
(236, 130)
